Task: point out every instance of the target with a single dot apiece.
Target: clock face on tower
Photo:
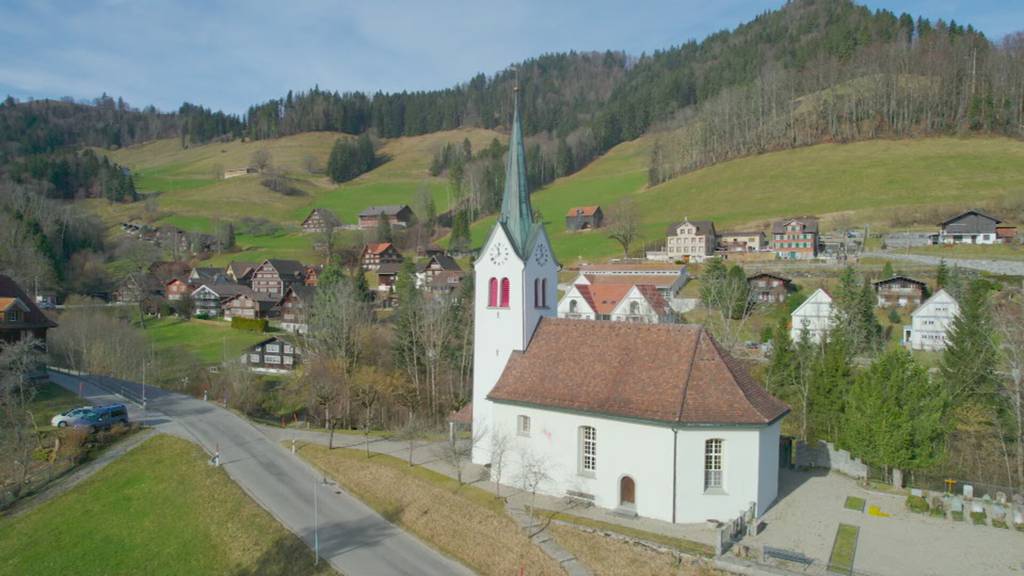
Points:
(541, 255)
(499, 255)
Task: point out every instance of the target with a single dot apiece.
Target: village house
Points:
(320, 220)
(641, 303)
(444, 282)
(272, 356)
(795, 238)
(669, 279)
(177, 289)
(387, 277)
(900, 291)
(583, 397)
(379, 253)
(198, 276)
(398, 215)
(273, 277)
(815, 315)
(768, 288)
(208, 298)
(691, 241)
(742, 241)
(249, 305)
(433, 266)
(584, 218)
(970, 227)
(930, 322)
(240, 272)
(312, 274)
(20, 318)
(295, 307)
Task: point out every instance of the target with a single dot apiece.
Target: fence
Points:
(942, 484)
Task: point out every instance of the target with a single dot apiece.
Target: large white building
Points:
(814, 315)
(930, 322)
(641, 303)
(655, 420)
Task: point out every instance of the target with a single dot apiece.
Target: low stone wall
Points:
(825, 455)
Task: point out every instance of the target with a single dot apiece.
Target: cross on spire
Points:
(516, 212)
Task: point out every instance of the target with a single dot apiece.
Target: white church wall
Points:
(643, 452)
(768, 467)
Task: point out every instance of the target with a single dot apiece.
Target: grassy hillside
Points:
(191, 197)
(866, 180)
(160, 509)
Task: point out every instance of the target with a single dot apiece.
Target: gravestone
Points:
(957, 505)
(998, 512)
(1018, 516)
(977, 506)
(968, 491)
(917, 492)
(1001, 497)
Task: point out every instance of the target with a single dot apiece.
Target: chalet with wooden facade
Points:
(295, 307)
(271, 278)
(398, 215)
(19, 316)
(247, 305)
(240, 272)
(272, 356)
(177, 289)
(379, 253)
(970, 227)
(795, 238)
(207, 299)
(691, 241)
(387, 277)
(584, 218)
(768, 288)
(198, 276)
(434, 266)
(900, 291)
(320, 220)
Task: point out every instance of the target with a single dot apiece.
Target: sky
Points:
(228, 54)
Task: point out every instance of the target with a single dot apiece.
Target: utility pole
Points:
(316, 520)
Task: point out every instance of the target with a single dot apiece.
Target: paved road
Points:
(354, 538)
(1007, 267)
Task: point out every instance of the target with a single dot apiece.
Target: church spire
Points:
(516, 212)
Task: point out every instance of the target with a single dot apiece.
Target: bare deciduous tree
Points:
(18, 438)
(1009, 320)
(625, 224)
(261, 160)
(458, 452)
(501, 443)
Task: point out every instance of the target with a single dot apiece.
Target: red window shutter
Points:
(492, 297)
(505, 290)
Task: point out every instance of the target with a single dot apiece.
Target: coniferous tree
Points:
(460, 237)
(384, 233)
(712, 281)
(970, 358)
(887, 271)
(781, 368)
(941, 274)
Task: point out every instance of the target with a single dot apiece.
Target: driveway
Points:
(1002, 267)
(353, 538)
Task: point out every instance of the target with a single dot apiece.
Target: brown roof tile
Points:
(673, 373)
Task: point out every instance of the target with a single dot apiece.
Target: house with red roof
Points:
(377, 253)
(653, 420)
(584, 218)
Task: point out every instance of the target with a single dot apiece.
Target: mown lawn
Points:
(464, 522)
(867, 179)
(212, 341)
(979, 251)
(50, 400)
(844, 549)
(160, 509)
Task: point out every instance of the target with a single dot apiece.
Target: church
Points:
(654, 420)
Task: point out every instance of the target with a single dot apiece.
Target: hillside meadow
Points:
(868, 182)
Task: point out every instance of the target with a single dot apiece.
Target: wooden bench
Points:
(787, 555)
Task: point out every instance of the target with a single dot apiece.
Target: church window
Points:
(572, 306)
(713, 464)
(540, 293)
(492, 295)
(505, 292)
(523, 425)
(588, 450)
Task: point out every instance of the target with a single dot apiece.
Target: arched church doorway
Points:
(627, 491)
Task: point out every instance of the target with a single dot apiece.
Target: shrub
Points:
(894, 316)
(999, 524)
(249, 324)
(917, 504)
(957, 515)
(978, 517)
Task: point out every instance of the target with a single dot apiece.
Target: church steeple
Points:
(516, 212)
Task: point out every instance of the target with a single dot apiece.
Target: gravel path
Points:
(1004, 267)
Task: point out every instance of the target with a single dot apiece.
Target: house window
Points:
(272, 359)
(275, 348)
(492, 294)
(506, 289)
(572, 306)
(254, 358)
(523, 425)
(713, 464)
(588, 450)
(634, 308)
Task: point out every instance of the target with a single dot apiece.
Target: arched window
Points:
(713, 464)
(492, 294)
(505, 291)
(544, 292)
(588, 450)
(572, 306)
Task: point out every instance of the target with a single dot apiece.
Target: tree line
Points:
(67, 176)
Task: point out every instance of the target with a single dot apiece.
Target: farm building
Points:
(769, 288)
(396, 214)
(970, 227)
(900, 291)
(320, 220)
(584, 218)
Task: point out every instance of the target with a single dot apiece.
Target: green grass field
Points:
(50, 400)
(158, 510)
(210, 340)
(992, 252)
(866, 180)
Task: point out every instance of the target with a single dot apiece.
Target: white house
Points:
(616, 302)
(930, 322)
(655, 420)
(814, 315)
